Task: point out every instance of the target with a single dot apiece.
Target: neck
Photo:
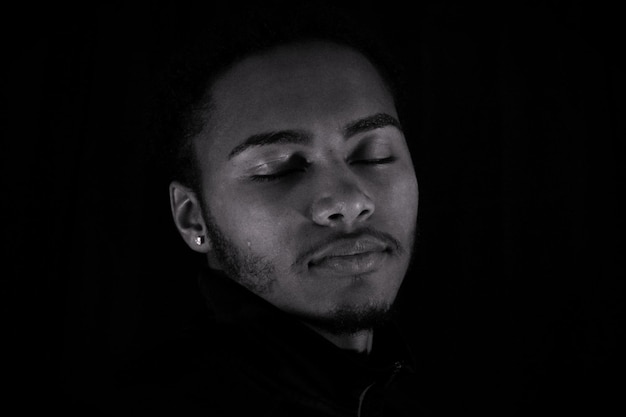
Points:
(360, 341)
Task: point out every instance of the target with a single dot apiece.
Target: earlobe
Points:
(187, 214)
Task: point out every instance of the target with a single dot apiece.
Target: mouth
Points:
(350, 256)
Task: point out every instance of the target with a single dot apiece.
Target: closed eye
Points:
(277, 175)
(270, 171)
(376, 161)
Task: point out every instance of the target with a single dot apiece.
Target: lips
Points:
(350, 256)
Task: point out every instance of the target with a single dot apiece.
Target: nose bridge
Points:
(339, 197)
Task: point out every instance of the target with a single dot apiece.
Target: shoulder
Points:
(183, 372)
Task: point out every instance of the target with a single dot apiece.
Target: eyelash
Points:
(379, 161)
(273, 177)
(287, 172)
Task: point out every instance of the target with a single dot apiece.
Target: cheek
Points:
(254, 224)
(398, 201)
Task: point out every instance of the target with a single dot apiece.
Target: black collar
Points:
(276, 349)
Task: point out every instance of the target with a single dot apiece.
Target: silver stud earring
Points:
(199, 240)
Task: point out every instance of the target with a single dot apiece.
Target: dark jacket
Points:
(246, 357)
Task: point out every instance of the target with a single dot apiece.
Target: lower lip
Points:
(361, 263)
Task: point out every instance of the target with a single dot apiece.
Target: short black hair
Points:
(214, 45)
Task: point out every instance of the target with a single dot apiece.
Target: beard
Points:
(253, 272)
(348, 320)
(257, 274)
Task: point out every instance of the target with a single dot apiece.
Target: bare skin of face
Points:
(309, 196)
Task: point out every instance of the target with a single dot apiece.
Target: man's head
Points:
(306, 192)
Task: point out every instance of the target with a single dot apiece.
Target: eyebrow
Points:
(271, 138)
(368, 123)
(365, 124)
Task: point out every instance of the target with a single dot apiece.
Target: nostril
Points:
(336, 216)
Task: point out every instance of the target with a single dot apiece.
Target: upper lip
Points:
(348, 247)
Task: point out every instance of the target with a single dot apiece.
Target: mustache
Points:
(393, 243)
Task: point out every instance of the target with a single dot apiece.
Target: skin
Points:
(295, 215)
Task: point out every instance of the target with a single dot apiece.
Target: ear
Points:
(187, 213)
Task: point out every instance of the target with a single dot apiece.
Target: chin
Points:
(351, 318)
(372, 289)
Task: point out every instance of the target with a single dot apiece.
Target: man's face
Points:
(309, 189)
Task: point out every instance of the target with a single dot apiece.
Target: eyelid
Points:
(277, 168)
(376, 149)
(271, 161)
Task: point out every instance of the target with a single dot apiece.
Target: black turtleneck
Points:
(243, 356)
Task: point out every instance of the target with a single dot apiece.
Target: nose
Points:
(341, 202)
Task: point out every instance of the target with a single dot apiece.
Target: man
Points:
(295, 182)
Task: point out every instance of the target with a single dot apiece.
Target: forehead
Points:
(301, 86)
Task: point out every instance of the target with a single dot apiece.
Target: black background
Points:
(518, 137)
